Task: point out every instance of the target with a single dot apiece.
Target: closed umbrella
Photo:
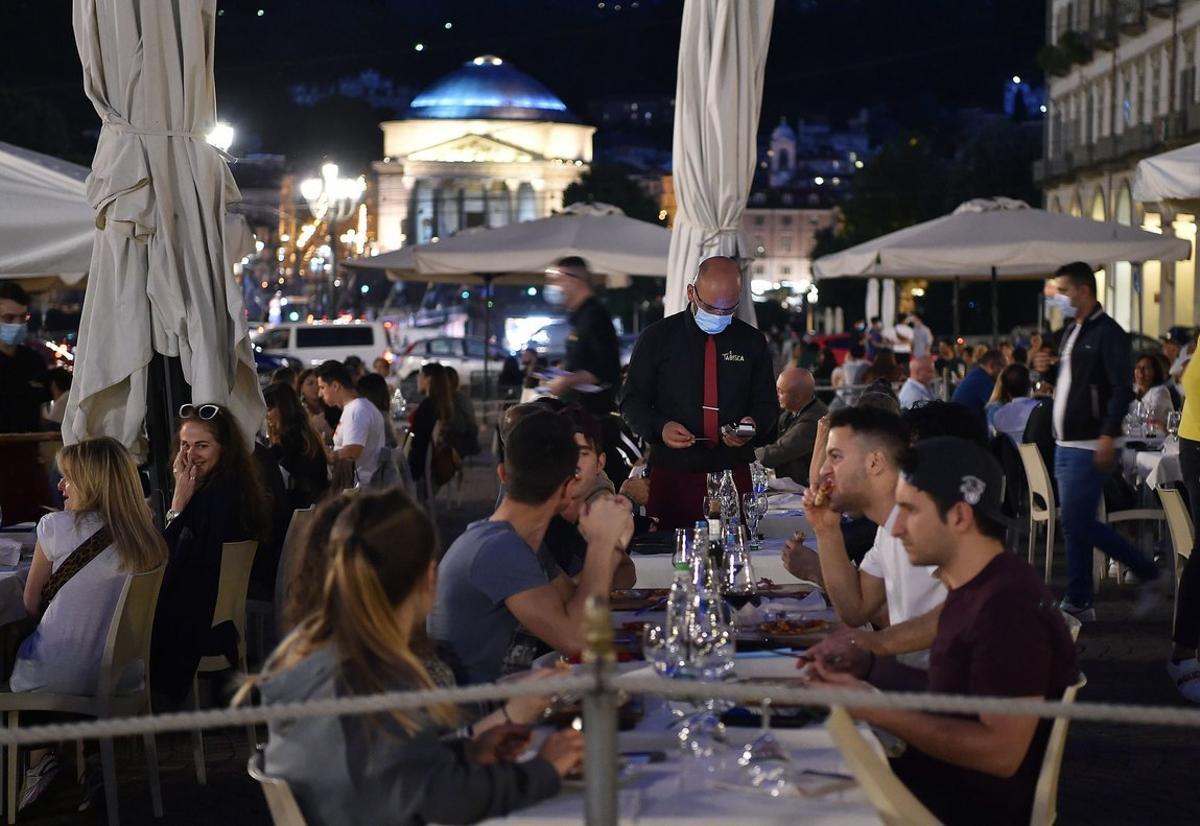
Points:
(46, 224)
(718, 95)
(160, 279)
(997, 239)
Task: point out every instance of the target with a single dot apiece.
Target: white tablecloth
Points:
(1153, 467)
(654, 570)
(674, 791)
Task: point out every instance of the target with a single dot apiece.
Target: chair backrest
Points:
(1045, 796)
(406, 443)
(1179, 523)
(893, 802)
(280, 800)
(128, 639)
(1038, 480)
(237, 559)
(297, 528)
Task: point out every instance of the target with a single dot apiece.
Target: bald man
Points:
(791, 452)
(692, 377)
(919, 385)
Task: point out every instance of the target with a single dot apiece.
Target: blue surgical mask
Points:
(554, 294)
(712, 323)
(13, 334)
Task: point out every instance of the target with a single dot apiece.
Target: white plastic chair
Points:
(1045, 795)
(893, 802)
(1040, 488)
(126, 644)
(280, 800)
(237, 559)
(1179, 525)
(297, 530)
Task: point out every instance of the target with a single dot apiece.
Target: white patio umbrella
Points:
(46, 224)
(601, 234)
(1173, 175)
(161, 277)
(997, 239)
(718, 95)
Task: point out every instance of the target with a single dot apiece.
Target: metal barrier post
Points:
(600, 719)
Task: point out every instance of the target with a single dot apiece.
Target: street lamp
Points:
(221, 136)
(332, 199)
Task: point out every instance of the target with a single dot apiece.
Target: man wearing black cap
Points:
(999, 635)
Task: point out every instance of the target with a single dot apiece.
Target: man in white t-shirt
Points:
(360, 432)
(862, 464)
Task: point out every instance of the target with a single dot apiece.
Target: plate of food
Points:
(787, 633)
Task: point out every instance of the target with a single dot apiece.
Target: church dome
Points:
(489, 88)
(783, 131)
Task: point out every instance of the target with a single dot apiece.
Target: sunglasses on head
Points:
(205, 412)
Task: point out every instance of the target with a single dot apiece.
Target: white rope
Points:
(574, 685)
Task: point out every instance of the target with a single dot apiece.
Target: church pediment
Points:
(474, 149)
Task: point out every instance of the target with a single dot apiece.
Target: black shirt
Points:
(592, 346)
(666, 383)
(23, 390)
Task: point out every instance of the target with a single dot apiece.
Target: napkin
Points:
(10, 552)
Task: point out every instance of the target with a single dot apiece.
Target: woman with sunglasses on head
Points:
(295, 446)
(219, 497)
(391, 767)
(83, 556)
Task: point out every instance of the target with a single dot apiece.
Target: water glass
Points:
(754, 506)
(660, 650)
(1173, 419)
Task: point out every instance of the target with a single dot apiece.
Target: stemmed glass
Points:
(1173, 419)
(758, 478)
(739, 580)
(764, 758)
(711, 660)
(754, 506)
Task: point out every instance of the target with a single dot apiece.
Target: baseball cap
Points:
(954, 469)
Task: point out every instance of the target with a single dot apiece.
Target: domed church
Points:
(484, 146)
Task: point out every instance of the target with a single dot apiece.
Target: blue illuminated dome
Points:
(488, 87)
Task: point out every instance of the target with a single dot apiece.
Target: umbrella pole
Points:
(995, 312)
(165, 391)
(957, 331)
(487, 331)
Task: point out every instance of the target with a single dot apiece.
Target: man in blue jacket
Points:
(976, 388)
(1093, 386)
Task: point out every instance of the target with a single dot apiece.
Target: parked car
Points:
(314, 342)
(268, 363)
(463, 354)
(550, 341)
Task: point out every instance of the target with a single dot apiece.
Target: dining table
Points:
(16, 555)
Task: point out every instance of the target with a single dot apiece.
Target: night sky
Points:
(828, 57)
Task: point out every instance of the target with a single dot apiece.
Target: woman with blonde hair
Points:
(391, 767)
(80, 563)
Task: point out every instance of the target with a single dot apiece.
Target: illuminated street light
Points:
(332, 199)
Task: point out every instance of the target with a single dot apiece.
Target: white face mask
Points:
(712, 323)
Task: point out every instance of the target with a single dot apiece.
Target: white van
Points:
(318, 341)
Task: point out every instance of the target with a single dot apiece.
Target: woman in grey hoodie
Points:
(389, 768)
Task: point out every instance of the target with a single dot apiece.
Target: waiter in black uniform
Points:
(593, 364)
(691, 375)
(23, 389)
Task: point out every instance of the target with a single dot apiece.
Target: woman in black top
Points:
(295, 446)
(438, 405)
(219, 497)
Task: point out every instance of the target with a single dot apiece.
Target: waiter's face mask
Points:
(711, 320)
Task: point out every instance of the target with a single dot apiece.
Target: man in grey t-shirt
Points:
(500, 596)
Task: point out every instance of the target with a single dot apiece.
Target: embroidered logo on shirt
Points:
(972, 489)
(732, 356)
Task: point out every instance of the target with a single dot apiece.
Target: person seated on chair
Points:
(394, 767)
(792, 449)
(219, 497)
(1011, 415)
(502, 599)
(567, 545)
(84, 555)
(436, 408)
(360, 432)
(1000, 634)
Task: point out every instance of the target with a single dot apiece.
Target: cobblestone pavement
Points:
(1112, 774)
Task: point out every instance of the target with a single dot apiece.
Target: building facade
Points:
(1122, 87)
(484, 146)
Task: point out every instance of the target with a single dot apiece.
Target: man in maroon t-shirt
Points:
(1000, 635)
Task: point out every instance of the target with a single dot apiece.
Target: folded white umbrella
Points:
(1001, 238)
(46, 224)
(599, 233)
(161, 275)
(1173, 175)
(718, 96)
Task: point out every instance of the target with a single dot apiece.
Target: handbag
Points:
(88, 550)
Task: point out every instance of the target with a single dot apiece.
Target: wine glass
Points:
(740, 583)
(711, 652)
(1173, 419)
(659, 650)
(755, 507)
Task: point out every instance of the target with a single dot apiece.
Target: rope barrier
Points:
(575, 685)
